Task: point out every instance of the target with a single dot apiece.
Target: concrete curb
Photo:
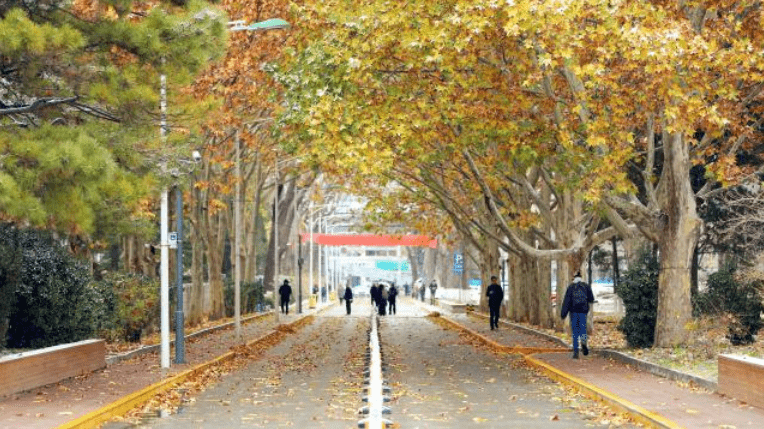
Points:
(527, 329)
(638, 413)
(658, 370)
(110, 360)
(127, 403)
(650, 367)
(501, 347)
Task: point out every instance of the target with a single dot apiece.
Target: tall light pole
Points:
(276, 234)
(237, 242)
(164, 271)
(164, 245)
(270, 24)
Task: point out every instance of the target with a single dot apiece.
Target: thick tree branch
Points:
(38, 104)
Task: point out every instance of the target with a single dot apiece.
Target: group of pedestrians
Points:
(578, 296)
(384, 298)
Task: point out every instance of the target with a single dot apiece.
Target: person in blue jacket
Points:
(577, 298)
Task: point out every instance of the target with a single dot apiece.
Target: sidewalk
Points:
(54, 405)
(652, 400)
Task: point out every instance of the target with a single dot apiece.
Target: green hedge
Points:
(52, 303)
(638, 288)
(726, 294)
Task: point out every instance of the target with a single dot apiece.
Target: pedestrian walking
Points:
(495, 296)
(340, 295)
(348, 298)
(285, 292)
(391, 294)
(577, 298)
(373, 293)
(422, 290)
(382, 295)
(433, 288)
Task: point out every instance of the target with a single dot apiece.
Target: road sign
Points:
(173, 239)
(458, 262)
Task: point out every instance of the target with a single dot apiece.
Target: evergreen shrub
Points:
(129, 304)
(638, 288)
(730, 294)
(10, 266)
(52, 303)
(252, 294)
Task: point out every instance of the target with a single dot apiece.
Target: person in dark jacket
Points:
(495, 296)
(577, 298)
(348, 298)
(391, 294)
(373, 294)
(285, 291)
(382, 295)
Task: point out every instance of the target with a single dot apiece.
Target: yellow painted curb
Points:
(502, 347)
(121, 406)
(638, 413)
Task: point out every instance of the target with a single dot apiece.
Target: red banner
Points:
(370, 240)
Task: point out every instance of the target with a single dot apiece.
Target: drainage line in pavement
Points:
(375, 387)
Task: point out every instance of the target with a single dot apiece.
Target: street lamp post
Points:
(164, 245)
(269, 24)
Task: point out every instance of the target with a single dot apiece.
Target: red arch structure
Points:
(370, 240)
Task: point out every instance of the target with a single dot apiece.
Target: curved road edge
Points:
(123, 405)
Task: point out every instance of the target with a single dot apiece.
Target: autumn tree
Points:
(556, 99)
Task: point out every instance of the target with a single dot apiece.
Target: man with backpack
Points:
(577, 298)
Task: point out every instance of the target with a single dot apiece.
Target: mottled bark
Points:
(679, 231)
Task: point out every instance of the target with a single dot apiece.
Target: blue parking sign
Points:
(458, 262)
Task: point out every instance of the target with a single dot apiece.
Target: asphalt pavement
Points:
(455, 374)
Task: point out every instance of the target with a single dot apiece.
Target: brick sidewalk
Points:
(53, 405)
(663, 402)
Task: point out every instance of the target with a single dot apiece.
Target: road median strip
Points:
(123, 405)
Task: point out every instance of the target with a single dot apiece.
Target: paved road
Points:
(438, 380)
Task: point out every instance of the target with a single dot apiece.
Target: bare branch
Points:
(38, 104)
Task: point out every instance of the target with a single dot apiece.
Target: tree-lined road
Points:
(438, 379)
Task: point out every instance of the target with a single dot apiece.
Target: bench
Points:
(27, 370)
(454, 307)
(742, 377)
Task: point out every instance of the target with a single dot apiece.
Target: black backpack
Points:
(578, 297)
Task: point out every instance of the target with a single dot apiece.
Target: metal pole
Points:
(237, 243)
(180, 349)
(276, 236)
(310, 256)
(299, 272)
(164, 270)
(326, 257)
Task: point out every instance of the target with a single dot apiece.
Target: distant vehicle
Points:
(359, 291)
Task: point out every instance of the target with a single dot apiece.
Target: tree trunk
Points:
(413, 253)
(680, 226)
(543, 304)
(215, 251)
